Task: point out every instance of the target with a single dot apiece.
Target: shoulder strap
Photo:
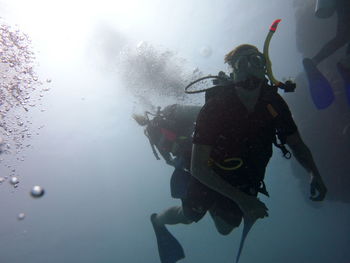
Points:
(269, 93)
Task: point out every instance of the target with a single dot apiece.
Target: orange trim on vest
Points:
(272, 111)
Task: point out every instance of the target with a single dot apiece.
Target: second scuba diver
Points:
(170, 133)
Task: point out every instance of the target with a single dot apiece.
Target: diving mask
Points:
(248, 64)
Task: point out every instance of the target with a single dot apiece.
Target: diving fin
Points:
(170, 250)
(345, 73)
(320, 89)
(248, 223)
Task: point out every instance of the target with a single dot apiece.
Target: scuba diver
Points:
(170, 133)
(320, 88)
(232, 145)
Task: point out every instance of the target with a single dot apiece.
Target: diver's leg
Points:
(221, 225)
(344, 64)
(342, 35)
(329, 48)
(344, 70)
(172, 216)
(169, 248)
(193, 208)
(320, 89)
(226, 215)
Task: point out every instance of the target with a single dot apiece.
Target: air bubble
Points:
(37, 191)
(205, 51)
(21, 216)
(14, 180)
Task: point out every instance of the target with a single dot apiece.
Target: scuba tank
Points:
(186, 114)
(180, 113)
(180, 119)
(325, 8)
(175, 124)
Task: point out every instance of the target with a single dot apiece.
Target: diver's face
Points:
(248, 64)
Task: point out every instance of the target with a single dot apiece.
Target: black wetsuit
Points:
(225, 124)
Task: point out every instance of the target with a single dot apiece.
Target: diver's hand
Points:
(318, 189)
(252, 207)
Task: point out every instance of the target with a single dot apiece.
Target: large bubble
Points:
(37, 191)
(205, 51)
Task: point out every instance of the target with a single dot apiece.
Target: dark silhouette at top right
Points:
(320, 88)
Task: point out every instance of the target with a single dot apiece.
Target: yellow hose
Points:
(228, 168)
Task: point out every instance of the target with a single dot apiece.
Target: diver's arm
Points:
(250, 205)
(302, 153)
(304, 156)
(202, 172)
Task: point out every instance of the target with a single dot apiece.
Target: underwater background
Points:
(81, 69)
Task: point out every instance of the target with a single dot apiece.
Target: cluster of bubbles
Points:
(19, 88)
(150, 72)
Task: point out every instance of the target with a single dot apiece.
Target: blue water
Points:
(101, 179)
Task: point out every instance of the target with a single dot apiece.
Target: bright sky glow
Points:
(64, 25)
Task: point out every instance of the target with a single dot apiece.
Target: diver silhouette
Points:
(320, 88)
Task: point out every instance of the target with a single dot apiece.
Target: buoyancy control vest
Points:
(171, 129)
(244, 148)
